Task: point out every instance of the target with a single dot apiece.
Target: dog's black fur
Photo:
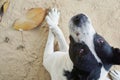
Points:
(86, 66)
(104, 51)
(116, 56)
(108, 55)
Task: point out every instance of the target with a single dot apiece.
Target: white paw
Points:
(115, 75)
(53, 18)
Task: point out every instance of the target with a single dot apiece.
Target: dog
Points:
(59, 63)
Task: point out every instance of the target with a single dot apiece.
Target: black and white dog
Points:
(90, 56)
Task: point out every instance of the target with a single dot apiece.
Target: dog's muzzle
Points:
(80, 20)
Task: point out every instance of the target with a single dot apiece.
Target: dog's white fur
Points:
(56, 62)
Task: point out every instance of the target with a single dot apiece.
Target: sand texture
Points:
(21, 53)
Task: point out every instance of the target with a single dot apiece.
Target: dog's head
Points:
(79, 26)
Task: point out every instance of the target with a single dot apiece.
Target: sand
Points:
(21, 53)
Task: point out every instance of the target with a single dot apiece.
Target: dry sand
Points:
(19, 63)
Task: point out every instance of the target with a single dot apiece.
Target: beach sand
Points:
(21, 53)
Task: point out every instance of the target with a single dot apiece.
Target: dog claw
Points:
(53, 17)
(115, 75)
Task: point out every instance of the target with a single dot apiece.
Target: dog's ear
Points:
(116, 56)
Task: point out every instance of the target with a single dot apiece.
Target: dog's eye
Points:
(100, 41)
(81, 50)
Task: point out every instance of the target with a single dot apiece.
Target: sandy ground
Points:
(21, 53)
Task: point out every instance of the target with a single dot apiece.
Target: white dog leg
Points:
(61, 40)
(49, 45)
(52, 20)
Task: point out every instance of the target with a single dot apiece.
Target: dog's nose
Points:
(79, 19)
